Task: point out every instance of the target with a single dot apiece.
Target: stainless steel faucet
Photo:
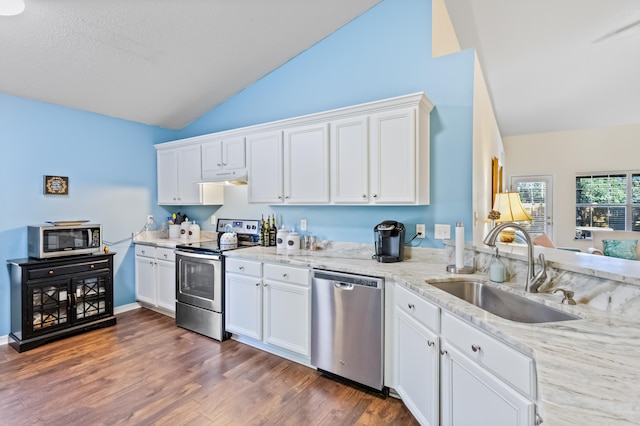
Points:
(534, 281)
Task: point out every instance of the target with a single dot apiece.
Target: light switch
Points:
(442, 232)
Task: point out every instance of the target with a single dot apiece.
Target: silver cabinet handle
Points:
(375, 195)
(443, 352)
(266, 285)
(241, 268)
(431, 342)
(257, 284)
(284, 275)
(279, 197)
(411, 306)
(475, 348)
(364, 195)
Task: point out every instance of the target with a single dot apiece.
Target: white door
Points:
(306, 164)
(167, 285)
(417, 372)
(472, 396)
(264, 166)
(167, 161)
(350, 161)
(287, 316)
(233, 153)
(146, 280)
(536, 193)
(211, 158)
(393, 157)
(243, 305)
(189, 173)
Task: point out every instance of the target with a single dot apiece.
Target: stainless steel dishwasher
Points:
(347, 326)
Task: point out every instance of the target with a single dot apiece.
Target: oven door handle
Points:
(198, 255)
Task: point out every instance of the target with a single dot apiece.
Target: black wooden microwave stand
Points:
(56, 298)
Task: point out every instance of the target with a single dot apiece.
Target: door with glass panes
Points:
(536, 195)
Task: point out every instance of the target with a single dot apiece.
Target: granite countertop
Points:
(159, 239)
(588, 370)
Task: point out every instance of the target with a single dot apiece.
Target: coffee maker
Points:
(389, 241)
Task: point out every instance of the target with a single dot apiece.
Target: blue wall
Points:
(111, 162)
(112, 180)
(383, 53)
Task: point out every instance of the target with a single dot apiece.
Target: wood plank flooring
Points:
(145, 370)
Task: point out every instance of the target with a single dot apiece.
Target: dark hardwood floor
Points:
(145, 370)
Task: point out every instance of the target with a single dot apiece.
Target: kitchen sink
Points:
(502, 303)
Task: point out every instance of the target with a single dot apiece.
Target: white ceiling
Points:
(157, 62)
(555, 65)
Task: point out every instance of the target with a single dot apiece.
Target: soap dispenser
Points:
(497, 270)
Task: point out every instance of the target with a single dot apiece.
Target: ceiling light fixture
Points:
(11, 7)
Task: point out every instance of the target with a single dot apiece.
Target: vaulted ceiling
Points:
(157, 62)
(555, 64)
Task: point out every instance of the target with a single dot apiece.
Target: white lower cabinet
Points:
(156, 278)
(448, 372)
(269, 303)
(417, 356)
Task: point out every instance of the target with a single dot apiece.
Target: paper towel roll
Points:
(459, 245)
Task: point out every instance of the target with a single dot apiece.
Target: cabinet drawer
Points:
(146, 251)
(424, 312)
(508, 363)
(240, 266)
(74, 268)
(165, 254)
(286, 274)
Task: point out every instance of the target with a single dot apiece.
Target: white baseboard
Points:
(128, 307)
(4, 340)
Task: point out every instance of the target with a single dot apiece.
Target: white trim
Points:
(124, 308)
(4, 340)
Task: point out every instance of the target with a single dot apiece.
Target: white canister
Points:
(194, 231)
(174, 231)
(293, 240)
(184, 229)
(281, 238)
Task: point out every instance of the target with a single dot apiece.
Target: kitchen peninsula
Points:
(586, 372)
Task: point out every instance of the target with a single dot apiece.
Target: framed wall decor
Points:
(496, 178)
(56, 185)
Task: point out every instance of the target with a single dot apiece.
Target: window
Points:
(607, 200)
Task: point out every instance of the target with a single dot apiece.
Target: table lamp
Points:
(511, 210)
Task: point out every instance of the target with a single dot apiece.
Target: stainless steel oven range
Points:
(200, 279)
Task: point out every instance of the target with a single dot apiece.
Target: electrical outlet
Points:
(420, 230)
(442, 232)
(303, 224)
(150, 219)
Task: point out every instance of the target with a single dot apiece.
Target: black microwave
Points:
(47, 241)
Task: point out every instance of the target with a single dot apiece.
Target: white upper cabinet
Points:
(222, 157)
(367, 154)
(264, 158)
(178, 174)
(179, 171)
(306, 164)
(350, 160)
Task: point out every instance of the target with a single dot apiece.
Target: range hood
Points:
(226, 177)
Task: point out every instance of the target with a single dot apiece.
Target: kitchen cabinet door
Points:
(264, 160)
(167, 176)
(417, 360)
(243, 305)
(189, 172)
(146, 278)
(350, 161)
(222, 155)
(178, 171)
(166, 284)
(393, 157)
(471, 395)
(287, 316)
(306, 165)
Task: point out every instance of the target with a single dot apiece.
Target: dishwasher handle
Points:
(343, 286)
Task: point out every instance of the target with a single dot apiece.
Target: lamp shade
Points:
(510, 207)
(11, 7)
